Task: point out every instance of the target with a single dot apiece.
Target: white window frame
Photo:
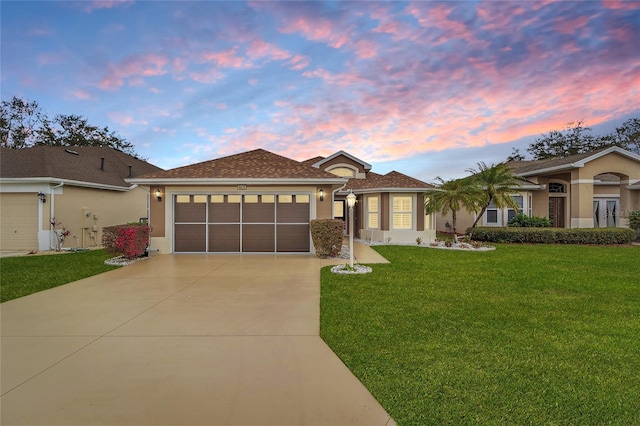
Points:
(510, 210)
(403, 212)
(373, 213)
(492, 208)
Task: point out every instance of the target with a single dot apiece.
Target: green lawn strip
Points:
(525, 334)
(24, 275)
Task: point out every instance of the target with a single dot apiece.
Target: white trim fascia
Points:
(375, 190)
(609, 150)
(584, 181)
(581, 163)
(366, 165)
(549, 169)
(531, 187)
(236, 181)
(50, 180)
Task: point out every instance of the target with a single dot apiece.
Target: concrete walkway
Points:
(181, 340)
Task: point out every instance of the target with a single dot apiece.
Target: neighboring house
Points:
(82, 188)
(258, 201)
(590, 190)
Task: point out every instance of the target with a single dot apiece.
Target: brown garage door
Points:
(248, 223)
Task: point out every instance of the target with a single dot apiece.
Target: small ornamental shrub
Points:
(521, 220)
(326, 235)
(634, 221)
(555, 235)
(129, 240)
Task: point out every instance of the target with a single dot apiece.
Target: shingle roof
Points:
(522, 167)
(256, 164)
(391, 180)
(72, 163)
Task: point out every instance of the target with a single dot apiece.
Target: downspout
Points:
(333, 197)
(52, 212)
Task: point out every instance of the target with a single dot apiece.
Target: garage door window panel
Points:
(224, 212)
(295, 212)
(191, 212)
(258, 212)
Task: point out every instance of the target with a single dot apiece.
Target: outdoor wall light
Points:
(321, 192)
(351, 200)
(158, 194)
(42, 197)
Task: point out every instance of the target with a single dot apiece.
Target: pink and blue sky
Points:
(425, 88)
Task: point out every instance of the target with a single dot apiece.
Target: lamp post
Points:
(351, 201)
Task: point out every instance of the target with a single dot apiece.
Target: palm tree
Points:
(497, 182)
(451, 196)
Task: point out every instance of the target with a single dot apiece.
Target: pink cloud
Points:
(570, 26)
(621, 4)
(134, 68)
(91, 5)
(226, 59)
(259, 49)
(366, 49)
(209, 76)
(123, 119)
(317, 29)
(299, 62)
(82, 94)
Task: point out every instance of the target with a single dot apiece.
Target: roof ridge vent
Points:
(70, 151)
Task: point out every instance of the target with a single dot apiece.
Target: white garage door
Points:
(248, 223)
(18, 222)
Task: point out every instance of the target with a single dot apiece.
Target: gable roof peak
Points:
(364, 164)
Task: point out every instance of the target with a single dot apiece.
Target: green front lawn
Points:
(21, 276)
(543, 334)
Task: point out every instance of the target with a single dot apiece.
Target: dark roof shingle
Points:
(391, 180)
(255, 164)
(73, 163)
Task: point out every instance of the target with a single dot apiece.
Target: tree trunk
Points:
(475, 222)
(453, 221)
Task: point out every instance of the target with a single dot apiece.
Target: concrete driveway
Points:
(180, 340)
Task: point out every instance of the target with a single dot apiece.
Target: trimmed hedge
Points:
(327, 236)
(129, 240)
(554, 235)
(521, 220)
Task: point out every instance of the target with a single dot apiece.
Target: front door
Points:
(606, 213)
(556, 211)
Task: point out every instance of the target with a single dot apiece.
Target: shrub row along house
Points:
(590, 190)
(258, 201)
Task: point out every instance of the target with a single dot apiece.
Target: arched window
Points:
(557, 188)
(343, 172)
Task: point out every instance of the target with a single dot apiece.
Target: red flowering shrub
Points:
(129, 240)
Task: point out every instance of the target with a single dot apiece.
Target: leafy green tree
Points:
(627, 135)
(23, 124)
(19, 123)
(497, 182)
(75, 130)
(452, 196)
(577, 139)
